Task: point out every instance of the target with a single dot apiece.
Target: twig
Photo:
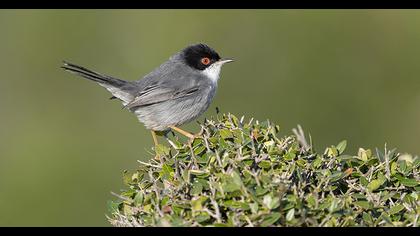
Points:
(388, 171)
(122, 197)
(300, 135)
(148, 164)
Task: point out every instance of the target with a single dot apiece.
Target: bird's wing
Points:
(161, 92)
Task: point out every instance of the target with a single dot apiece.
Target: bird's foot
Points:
(191, 140)
(194, 136)
(191, 137)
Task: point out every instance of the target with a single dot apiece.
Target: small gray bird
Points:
(175, 93)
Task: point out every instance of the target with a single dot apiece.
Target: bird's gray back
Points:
(166, 72)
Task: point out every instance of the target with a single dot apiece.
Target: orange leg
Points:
(157, 157)
(183, 132)
(154, 137)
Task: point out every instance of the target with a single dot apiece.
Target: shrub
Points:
(241, 173)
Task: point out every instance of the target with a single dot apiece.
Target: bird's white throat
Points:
(213, 71)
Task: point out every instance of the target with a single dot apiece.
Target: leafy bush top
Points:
(240, 173)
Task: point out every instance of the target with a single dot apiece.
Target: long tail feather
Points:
(120, 89)
(92, 75)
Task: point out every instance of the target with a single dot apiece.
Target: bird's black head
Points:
(200, 56)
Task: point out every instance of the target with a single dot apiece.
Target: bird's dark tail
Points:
(92, 75)
(119, 88)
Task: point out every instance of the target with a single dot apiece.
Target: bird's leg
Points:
(157, 157)
(185, 133)
(154, 137)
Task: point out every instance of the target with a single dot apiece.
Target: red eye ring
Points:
(205, 61)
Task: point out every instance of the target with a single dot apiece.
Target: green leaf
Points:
(264, 164)
(381, 178)
(236, 205)
(342, 146)
(331, 152)
(406, 181)
(416, 162)
(260, 190)
(395, 209)
(409, 182)
(167, 172)
(199, 150)
(204, 157)
(236, 178)
(364, 155)
(415, 196)
(402, 166)
(127, 177)
(138, 199)
(394, 167)
(333, 206)
(147, 208)
(336, 175)
(374, 184)
(359, 196)
(177, 145)
(288, 206)
(271, 202)
(290, 214)
(363, 181)
(367, 218)
(364, 204)
(197, 188)
(311, 201)
(225, 134)
(289, 156)
(127, 210)
(198, 173)
(230, 186)
(317, 163)
(113, 206)
(164, 201)
(234, 119)
(385, 217)
(203, 216)
(222, 225)
(253, 207)
(346, 158)
(197, 203)
(178, 221)
(270, 219)
(162, 150)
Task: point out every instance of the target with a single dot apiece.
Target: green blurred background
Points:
(341, 74)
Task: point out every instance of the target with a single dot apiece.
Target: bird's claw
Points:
(193, 137)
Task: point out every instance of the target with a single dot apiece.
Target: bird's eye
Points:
(205, 61)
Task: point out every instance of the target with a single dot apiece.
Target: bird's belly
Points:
(174, 112)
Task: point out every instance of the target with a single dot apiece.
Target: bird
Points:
(174, 93)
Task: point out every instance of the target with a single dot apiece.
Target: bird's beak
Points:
(225, 60)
